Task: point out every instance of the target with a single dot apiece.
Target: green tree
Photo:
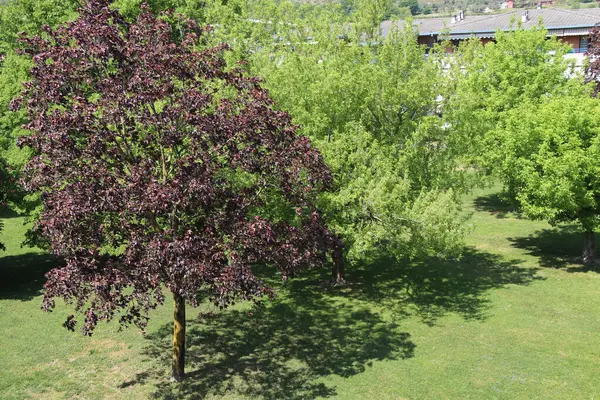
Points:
(413, 5)
(13, 72)
(553, 151)
(369, 15)
(30, 16)
(372, 111)
(15, 17)
(522, 66)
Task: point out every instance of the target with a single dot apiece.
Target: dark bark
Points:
(589, 247)
(337, 269)
(178, 338)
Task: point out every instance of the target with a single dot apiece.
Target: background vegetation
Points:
(452, 289)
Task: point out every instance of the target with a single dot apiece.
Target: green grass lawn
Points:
(515, 318)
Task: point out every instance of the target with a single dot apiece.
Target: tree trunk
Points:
(337, 269)
(589, 247)
(178, 338)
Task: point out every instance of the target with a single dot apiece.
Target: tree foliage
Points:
(372, 110)
(521, 106)
(20, 16)
(490, 80)
(160, 165)
(412, 5)
(553, 151)
(369, 15)
(29, 16)
(15, 17)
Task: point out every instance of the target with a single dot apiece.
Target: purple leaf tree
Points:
(160, 169)
(592, 73)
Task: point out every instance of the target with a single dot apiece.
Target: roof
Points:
(558, 21)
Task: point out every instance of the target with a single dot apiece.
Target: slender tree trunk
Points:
(337, 270)
(589, 247)
(337, 273)
(178, 337)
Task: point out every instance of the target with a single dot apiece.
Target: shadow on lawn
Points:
(434, 287)
(495, 204)
(311, 330)
(22, 276)
(559, 247)
(278, 351)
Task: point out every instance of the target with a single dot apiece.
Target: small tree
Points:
(553, 151)
(158, 167)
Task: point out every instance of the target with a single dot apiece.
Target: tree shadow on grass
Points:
(434, 287)
(22, 276)
(8, 213)
(495, 204)
(311, 330)
(278, 351)
(559, 247)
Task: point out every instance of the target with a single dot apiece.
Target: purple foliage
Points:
(158, 165)
(593, 53)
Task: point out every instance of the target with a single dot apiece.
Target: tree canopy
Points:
(553, 152)
(521, 66)
(373, 111)
(159, 165)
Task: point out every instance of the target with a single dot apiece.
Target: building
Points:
(570, 26)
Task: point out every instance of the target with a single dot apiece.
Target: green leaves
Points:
(529, 120)
(372, 111)
(15, 17)
(487, 81)
(29, 16)
(553, 153)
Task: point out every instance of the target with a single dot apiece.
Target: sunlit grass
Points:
(515, 318)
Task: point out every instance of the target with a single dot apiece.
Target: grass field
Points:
(515, 318)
